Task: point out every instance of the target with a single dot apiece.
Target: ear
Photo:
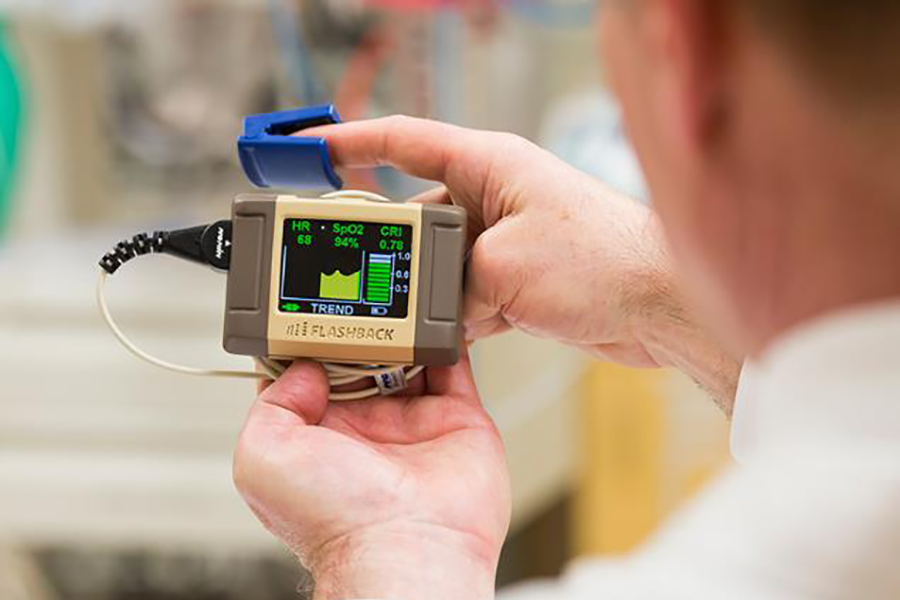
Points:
(694, 43)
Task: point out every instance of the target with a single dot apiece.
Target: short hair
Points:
(850, 46)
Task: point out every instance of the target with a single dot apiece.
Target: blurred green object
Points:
(10, 120)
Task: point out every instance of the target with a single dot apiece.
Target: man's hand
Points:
(404, 497)
(554, 252)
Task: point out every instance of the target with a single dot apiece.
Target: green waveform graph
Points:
(338, 286)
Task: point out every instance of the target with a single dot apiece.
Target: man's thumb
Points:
(301, 390)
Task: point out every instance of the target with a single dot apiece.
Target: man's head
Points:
(769, 131)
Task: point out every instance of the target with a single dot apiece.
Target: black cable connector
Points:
(205, 244)
(142, 243)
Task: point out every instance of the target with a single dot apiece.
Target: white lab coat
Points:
(812, 510)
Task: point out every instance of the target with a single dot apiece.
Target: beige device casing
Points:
(428, 335)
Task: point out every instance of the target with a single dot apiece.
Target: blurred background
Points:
(118, 117)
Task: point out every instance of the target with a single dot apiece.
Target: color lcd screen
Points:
(345, 268)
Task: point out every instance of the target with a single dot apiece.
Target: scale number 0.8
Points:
(402, 274)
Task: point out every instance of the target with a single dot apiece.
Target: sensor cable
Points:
(211, 245)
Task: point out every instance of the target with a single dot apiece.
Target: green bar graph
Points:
(378, 278)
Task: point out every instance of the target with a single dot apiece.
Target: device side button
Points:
(246, 264)
(446, 273)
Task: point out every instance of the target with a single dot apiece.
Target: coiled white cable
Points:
(269, 368)
(358, 194)
(338, 374)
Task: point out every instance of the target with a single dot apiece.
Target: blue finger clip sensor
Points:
(272, 157)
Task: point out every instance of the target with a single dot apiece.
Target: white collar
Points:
(829, 387)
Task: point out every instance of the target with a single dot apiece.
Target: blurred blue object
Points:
(560, 14)
(295, 52)
(10, 119)
(585, 129)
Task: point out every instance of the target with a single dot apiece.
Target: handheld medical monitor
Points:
(346, 280)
